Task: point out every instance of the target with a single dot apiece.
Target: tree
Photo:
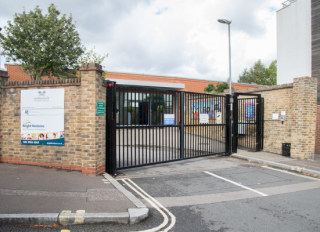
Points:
(221, 87)
(272, 72)
(210, 88)
(92, 57)
(45, 45)
(259, 74)
(216, 89)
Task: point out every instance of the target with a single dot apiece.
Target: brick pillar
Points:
(304, 114)
(3, 77)
(93, 125)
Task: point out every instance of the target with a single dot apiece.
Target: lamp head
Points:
(225, 21)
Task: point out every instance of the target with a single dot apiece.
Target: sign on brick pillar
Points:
(304, 105)
(91, 87)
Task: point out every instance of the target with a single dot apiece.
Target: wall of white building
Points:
(294, 41)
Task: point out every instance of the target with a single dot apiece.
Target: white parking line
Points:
(235, 183)
(291, 173)
(154, 203)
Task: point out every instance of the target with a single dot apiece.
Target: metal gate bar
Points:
(142, 138)
(156, 126)
(247, 122)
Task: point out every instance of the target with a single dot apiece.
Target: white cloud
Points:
(172, 37)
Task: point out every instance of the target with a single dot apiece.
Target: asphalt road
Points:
(216, 194)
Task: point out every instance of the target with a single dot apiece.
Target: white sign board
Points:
(275, 116)
(219, 117)
(168, 119)
(42, 117)
(204, 118)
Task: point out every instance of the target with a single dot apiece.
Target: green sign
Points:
(100, 108)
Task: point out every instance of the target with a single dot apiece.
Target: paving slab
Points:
(30, 194)
(307, 167)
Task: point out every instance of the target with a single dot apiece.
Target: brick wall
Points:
(298, 100)
(84, 148)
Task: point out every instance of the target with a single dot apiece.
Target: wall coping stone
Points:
(267, 88)
(40, 83)
(91, 67)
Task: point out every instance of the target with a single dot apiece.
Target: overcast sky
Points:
(169, 37)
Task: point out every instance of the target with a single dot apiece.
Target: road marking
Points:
(235, 183)
(64, 217)
(292, 173)
(165, 217)
(79, 218)
(173, 218)
(154, 203)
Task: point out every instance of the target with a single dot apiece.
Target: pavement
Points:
(40, 196)
(43, 196)
(305, 167)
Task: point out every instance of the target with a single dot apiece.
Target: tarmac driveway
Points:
(215, 194)
(226, 194)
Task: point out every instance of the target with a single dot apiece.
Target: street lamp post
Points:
(228, 22)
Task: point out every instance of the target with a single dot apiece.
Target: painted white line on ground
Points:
(173, 218)
(165, 217)
(235, 183)
(79, 218)
(292, 173)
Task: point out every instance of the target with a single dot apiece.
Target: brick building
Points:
(85, 130)
(16, 73)
(298, 45)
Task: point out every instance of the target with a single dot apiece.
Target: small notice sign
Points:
(100, 108)
(168, 119)
(219, 118)
(204, 118)
(275, 116)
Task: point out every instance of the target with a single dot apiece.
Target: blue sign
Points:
(168, 119)
(249, 110)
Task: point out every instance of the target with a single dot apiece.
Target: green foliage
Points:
(221, 87)
(259, 74)
(272, 72)
(92, 57)
(44, 44)
(216, 89)
(210, 88)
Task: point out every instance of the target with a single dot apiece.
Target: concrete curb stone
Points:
(33, 218)
(287, 167)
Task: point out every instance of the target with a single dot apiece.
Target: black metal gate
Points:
(149, 126)
(247, 122)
